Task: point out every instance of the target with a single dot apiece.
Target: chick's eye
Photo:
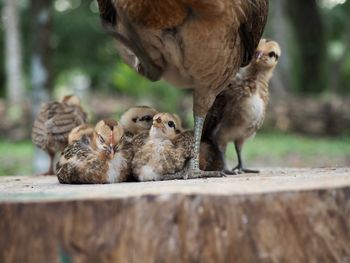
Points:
(101, 139)
(147, 118)
(273, 54)
(171, 124)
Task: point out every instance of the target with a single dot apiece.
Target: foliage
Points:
(79, 43)
(128, 82)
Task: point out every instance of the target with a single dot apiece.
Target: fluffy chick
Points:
(158, 154)
(210, 158)
(53, 124)
(98, 159)
(239, 111)
(137, 119)
(78, 132)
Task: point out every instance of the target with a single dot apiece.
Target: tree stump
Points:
(278, 216)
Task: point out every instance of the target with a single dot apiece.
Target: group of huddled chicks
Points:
(145, 145)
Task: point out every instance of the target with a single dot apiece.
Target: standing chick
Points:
(137, 119)
(97, 159)
(239, 111)
(159, 156)
(53, 124)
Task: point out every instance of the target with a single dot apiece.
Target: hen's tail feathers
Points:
(110, 16)
(252, 30)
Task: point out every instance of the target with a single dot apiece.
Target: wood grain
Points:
(186, 221)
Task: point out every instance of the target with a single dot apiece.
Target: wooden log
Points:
(278, 216)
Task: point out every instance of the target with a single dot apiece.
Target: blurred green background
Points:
(62, 49)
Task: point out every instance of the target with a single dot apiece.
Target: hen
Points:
(197, 44)
(239, 111)
(54, 123)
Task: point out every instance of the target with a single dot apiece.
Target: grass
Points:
(266, 149)
(16, 158)
(277, 149)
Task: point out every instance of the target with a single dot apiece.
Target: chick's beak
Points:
(259, 55)
(158, 123)
(111, 149)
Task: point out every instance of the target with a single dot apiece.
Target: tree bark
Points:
(310, 34)
(278, 216)
(13, 54)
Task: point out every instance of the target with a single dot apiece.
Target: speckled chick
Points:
(159, 155)
(78, 132)
(98, 159)
(136, 120)
(239, 111)
(53, 124)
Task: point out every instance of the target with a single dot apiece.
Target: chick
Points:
(137, 119)
(239, 111)
(159, 156)
(210, 158)
(78, 132)
(101, 158)
(164, 152)
(53, 124)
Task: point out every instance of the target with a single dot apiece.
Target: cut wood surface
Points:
(281, 215)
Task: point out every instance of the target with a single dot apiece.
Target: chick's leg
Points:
(239, 169)
(50, 171)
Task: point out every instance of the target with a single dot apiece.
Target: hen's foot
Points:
(192, 171)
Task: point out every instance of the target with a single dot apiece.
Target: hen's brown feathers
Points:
(251, 30)
(182, 39)
(156, 14)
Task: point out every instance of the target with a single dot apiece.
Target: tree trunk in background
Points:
(41, 70)
(309, 32)
(277, 29)
(13, 55)
(336, 69)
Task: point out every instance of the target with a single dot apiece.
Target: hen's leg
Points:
(239, 169)
(203, 99)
